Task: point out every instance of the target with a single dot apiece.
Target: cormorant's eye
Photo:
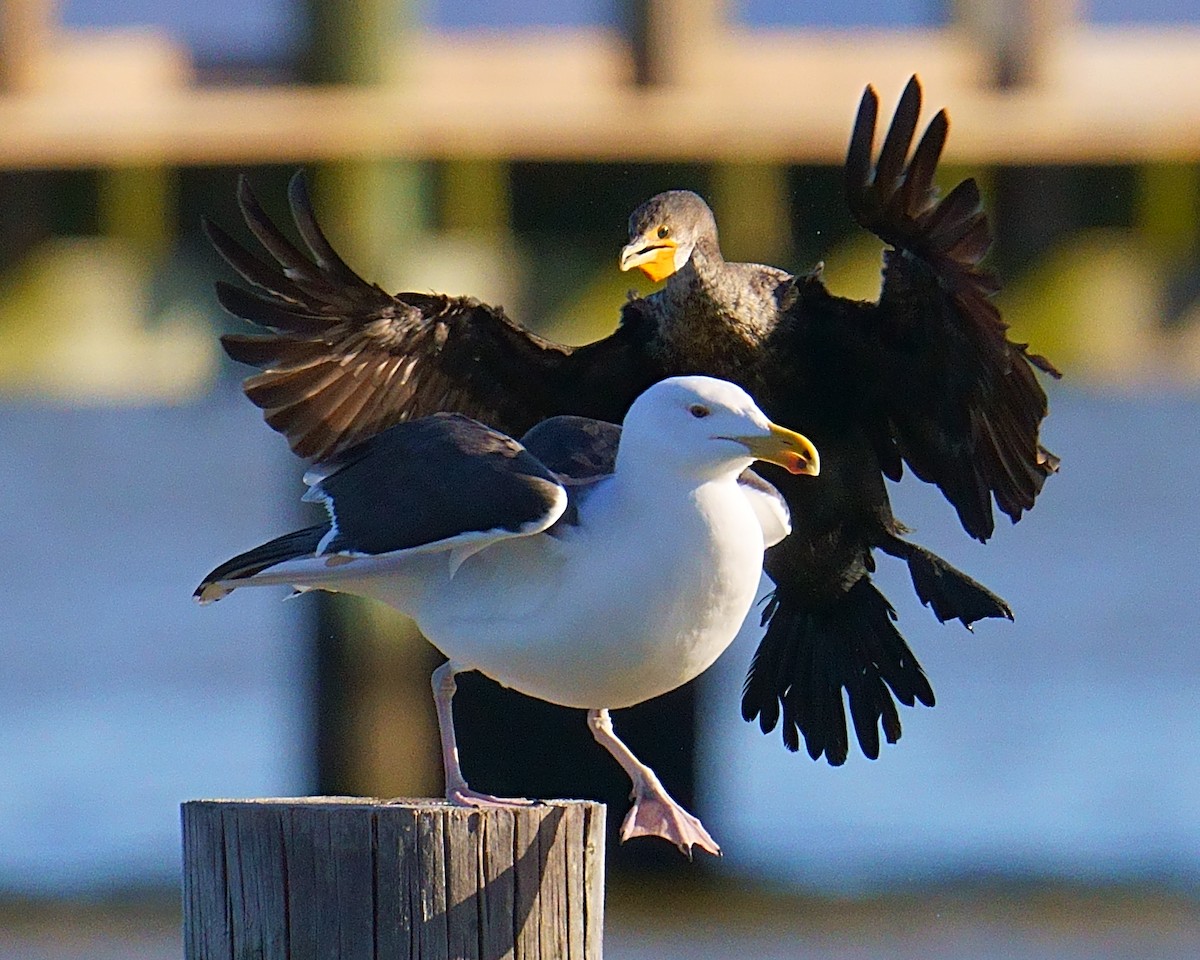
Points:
(699, 411)
(663, 232)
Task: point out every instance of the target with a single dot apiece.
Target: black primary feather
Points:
(291, 546)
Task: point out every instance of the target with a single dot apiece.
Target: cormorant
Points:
(925, 376)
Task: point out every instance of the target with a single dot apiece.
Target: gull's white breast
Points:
(638, 599)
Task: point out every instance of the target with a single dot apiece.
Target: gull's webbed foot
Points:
(655, 814)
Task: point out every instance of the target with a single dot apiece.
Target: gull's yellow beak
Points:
(654, 257)
(786, 448)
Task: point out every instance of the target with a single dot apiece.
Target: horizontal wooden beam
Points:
(1106, 97)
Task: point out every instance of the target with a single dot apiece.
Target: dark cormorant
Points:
(925, 376)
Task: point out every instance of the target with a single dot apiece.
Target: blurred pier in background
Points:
(496, 148)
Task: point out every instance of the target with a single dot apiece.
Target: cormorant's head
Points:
(664, 231)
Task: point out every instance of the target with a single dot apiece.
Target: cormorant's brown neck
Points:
(715, 303)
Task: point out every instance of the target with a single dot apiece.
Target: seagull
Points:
(590, 566)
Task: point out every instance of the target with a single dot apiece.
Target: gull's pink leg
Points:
(457, 791)
(654, 812)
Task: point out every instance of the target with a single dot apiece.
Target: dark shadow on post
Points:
(501, 907)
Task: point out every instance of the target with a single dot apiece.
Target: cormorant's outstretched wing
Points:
(928, 376)
(962, 402)
(344, 360)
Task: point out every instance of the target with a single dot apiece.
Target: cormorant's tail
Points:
(949, 592)
(810, 655)
(291, 546)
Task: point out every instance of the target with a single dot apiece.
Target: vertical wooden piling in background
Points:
(348, 878)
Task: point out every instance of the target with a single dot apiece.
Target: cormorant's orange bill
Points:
(655, 258)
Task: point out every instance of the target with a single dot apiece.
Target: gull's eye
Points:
(664, 232)
(699, 411)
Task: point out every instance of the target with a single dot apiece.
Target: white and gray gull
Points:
(590, 566)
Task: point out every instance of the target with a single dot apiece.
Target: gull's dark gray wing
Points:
(581, 451)
(431, 480)
(444, 481)
(291, 546)
(578, 448)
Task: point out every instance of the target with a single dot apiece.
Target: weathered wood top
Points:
(347, 877)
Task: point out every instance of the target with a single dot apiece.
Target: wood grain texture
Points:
(348, 878)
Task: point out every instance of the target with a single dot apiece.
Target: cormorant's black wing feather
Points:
(926, 376)
(343, 359)
(961, 402)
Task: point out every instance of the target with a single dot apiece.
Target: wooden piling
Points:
(344, 878)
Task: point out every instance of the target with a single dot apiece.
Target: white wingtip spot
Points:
(211, 593)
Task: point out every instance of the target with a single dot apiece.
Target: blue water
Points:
(255, 30)
(119, 697)
(1063, 745)
(842, 14)
(267, 30)
(272, 30)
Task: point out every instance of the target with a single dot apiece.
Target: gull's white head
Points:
(707, 427)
